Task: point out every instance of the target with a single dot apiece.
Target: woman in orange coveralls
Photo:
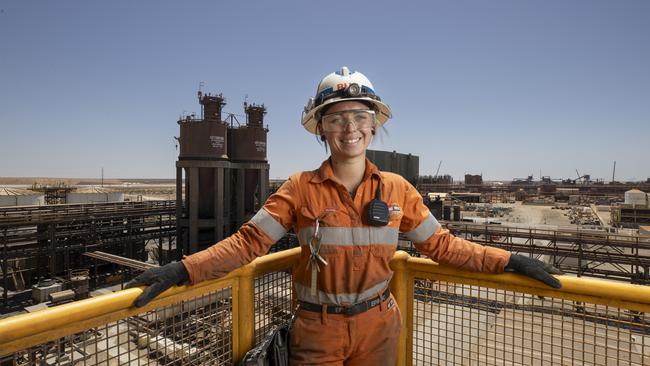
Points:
(347, 215)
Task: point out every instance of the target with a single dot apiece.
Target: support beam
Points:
(218, 204)
(51, 233)
(179, 214)
(127, 262)
(194, 210)
(5, 270)
(240, 196)
(227, 193)
(264, 185)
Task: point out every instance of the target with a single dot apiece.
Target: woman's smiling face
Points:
(350, 142)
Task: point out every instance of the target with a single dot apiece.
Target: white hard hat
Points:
(339, 86)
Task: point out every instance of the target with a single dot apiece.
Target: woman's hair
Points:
(320, 137)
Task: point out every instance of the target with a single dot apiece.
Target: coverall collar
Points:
(325, 172)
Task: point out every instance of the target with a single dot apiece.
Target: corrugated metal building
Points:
(476, 179)
(406, 165)
(20, 197)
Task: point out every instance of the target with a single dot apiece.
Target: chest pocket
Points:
(333, 225)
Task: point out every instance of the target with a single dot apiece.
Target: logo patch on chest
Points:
(394, 209)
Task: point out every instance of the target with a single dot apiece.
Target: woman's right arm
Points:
(253, 239)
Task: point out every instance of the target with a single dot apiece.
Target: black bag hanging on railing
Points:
(273, 351)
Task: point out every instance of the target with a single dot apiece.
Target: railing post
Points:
(244, 313)
(399, 286)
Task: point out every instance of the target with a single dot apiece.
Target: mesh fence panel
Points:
(197, 331)
(456, 324)
(272, 301)
(453, 324)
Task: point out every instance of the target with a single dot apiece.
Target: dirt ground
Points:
(528, 215)
(537, 215)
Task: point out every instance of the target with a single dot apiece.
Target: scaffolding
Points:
(54, 194)
(48, 241)
(594, 253)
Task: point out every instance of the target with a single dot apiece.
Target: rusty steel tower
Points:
(224, 170)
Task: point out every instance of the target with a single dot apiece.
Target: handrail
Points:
(596, 291)
(587, 290)
(24, 330)
(560, 232)
(27, 330)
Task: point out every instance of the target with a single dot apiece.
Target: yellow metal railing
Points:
(450, 317)
(22, 335)
(454, 317)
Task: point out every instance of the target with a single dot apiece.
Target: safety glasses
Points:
(338, 121)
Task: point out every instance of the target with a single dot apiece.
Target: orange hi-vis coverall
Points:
(357, 255)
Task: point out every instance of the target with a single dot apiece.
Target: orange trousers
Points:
(369, 338)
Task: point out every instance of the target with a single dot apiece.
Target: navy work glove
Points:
(158, 280)
(534, 268)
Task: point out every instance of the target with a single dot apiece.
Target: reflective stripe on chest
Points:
(347, 236)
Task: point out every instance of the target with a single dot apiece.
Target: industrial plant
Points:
(62, 244)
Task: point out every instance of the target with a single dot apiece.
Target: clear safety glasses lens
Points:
(362, 119)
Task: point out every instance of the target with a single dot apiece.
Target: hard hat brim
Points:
(310, 120)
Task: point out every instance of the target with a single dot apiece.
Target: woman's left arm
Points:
(431, 239)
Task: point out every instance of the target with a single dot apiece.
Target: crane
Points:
(437, 170)
(586, 177)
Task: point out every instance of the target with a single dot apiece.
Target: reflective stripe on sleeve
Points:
(424, 231)
(269, 225)
(304, 294)
(365, 235)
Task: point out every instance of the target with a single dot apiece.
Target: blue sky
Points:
(503, 88)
